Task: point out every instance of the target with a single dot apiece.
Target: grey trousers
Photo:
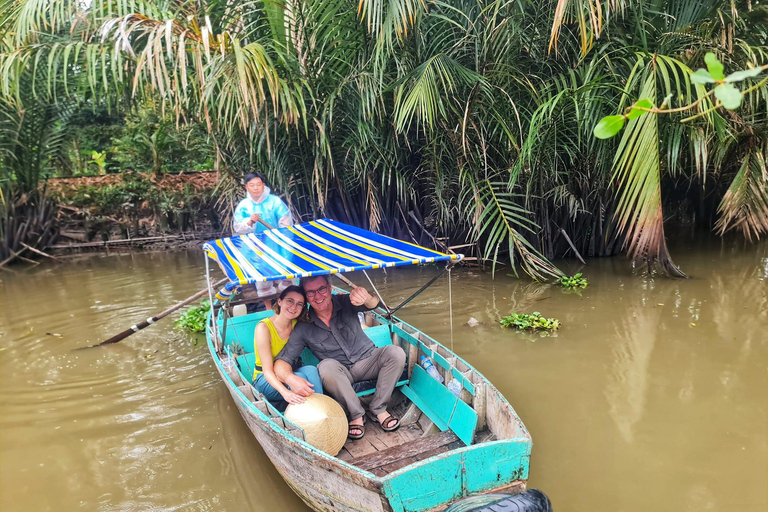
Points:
(385, 364)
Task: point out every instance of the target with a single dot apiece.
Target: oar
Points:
(340, 276)
(151, 320)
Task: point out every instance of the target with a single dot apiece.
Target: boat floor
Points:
(384, 452)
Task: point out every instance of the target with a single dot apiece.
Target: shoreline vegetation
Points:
(521, 134)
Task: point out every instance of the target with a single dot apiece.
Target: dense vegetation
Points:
(469, 119)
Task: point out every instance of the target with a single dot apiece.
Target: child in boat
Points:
(270, 338)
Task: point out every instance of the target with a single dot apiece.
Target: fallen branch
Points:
(41, 253)
(12, 257)
(567, 239)
(22, 258)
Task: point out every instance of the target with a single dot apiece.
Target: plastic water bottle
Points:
(228, 363)
(428, 365)
(454, 387)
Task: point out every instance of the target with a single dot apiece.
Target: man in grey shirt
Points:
(346, 354)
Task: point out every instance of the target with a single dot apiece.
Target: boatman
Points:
(346, 354)
(259, 203)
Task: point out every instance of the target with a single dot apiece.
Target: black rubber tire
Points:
(529, 501)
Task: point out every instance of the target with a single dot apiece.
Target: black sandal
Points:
(360, 428)
(387, 421)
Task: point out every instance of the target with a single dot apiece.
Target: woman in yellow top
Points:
(270, 338)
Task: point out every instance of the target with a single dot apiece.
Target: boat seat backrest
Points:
(436, 357)
(241, 329)
(379, 335)
(441, 406)
(246, 363)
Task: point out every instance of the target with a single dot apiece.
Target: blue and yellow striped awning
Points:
(311, 249)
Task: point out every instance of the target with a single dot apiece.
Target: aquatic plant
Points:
(193, 319)
(574, 282)
(530, 322)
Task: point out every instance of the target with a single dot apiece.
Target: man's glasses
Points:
(322, 291)
(291, 303)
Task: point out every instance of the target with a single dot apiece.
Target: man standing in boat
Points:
(346, 354)
(259, 203)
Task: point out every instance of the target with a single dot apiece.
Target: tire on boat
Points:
(529, 501)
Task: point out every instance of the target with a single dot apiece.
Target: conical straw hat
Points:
(323, 421)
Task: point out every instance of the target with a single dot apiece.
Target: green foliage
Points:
(610, 126)
(102, 200)
(727, 94)
(134, 196)
(152, 141)
(530, 322)
(193, 319)
(473, 118)
(100, 161)
(574, 282)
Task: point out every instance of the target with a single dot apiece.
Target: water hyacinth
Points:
(530, 322)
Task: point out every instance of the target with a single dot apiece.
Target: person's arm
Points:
(300, 385)
(241, 220)
(264, 349)
(290, 353)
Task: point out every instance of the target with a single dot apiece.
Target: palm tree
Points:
(465, 119)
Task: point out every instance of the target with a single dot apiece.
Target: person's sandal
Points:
(358, 428)
(387, 421)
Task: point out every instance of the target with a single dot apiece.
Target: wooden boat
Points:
(447, 448)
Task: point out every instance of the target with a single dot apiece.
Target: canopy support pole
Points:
(214, 331)
(420, 290)
(389, 314)
(450, 303)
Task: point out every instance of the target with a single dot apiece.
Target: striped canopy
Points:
(311, 249)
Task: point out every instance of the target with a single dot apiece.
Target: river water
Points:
(652, 396)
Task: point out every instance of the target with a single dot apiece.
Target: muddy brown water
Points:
(652, 396)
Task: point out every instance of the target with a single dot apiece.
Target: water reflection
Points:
(627, 380)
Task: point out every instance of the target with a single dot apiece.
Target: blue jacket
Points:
(271, 209)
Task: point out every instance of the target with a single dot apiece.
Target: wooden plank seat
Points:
(401, 455)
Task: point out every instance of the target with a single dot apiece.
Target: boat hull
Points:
(322, 484)
(326, 483)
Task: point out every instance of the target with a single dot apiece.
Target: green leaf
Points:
(715, 67)
(636, 111)
(701, 76)
(728, 95)
(608, 127)
(738, 76)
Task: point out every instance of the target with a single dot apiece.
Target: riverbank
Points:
(135, 210)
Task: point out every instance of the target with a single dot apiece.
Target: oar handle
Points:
(149, 321)
(340, 276)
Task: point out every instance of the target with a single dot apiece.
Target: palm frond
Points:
(745, 205)
(638, 175)
(498, 224)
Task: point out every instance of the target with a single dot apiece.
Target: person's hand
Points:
(293, 398)
(299, 385)
(359, 296)
(254, 219)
